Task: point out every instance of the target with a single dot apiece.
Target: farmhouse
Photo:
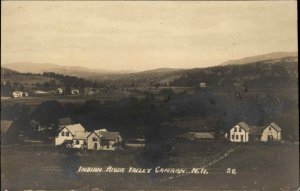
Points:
(271, 132)
(110, 140)
(202, 84)
(239, 133)
(80, 140)
(67, 133)
(244, 133)
(75, 91)
(93, 141)
(103, 140)
(59, 91)
(18, 94)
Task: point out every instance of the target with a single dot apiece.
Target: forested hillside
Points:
(275, 73)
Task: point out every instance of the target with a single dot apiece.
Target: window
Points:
(270, 128)
(240, 129)
(77, 142)
(235, 129)
(237, 137)
(94, 139)
(67, 134)
(232, 137)
(62, 133)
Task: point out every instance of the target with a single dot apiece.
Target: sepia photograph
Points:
(149, 95)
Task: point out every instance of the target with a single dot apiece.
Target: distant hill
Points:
(28, 67)
(270, 56)
(6, 71)
(272, 73)
(159, 70)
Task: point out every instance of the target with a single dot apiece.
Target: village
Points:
(74, 136)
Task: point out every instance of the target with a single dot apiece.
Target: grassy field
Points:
(289, 93)
(258, 167)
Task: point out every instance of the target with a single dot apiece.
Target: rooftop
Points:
(110, 135)
(5, 125)
(81, 135)
(244, 125)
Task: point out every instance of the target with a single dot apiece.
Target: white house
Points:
(18, 94)
(109, 140)
(202, 85)
(271, 133)
(67, 133)
(239, 133)
(80, 140)
(103, 140)
(93, 139)
(244, 133)
(59, 91)
(75, 91)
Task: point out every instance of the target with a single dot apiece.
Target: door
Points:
(270, 137)
(95, 146)
(242, 138)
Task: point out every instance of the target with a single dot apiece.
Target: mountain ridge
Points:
(262, 57)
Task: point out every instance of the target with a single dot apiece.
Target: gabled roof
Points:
(110, 135)
(244, 126)
(81, 135)
(65, 121)
(99, 131)
(73, 128)
(5, 125)
(275, 126)
(90, 133)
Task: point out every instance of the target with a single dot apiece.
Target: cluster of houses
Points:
(58, 91)
(195, 129)
(75, 136)
(242, 132)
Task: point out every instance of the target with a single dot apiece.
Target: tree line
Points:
(134, 117)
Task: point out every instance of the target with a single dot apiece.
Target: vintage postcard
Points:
(149, 95)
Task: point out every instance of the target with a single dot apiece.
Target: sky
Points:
(141, 35)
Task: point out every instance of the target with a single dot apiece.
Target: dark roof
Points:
(244, 126)
(5, 125)
(65, 121)
(275, 126)
(256, 130)
(110, 135)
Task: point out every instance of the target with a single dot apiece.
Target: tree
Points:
(48, 113)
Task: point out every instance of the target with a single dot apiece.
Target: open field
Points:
(258, 167)
(289, 93)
